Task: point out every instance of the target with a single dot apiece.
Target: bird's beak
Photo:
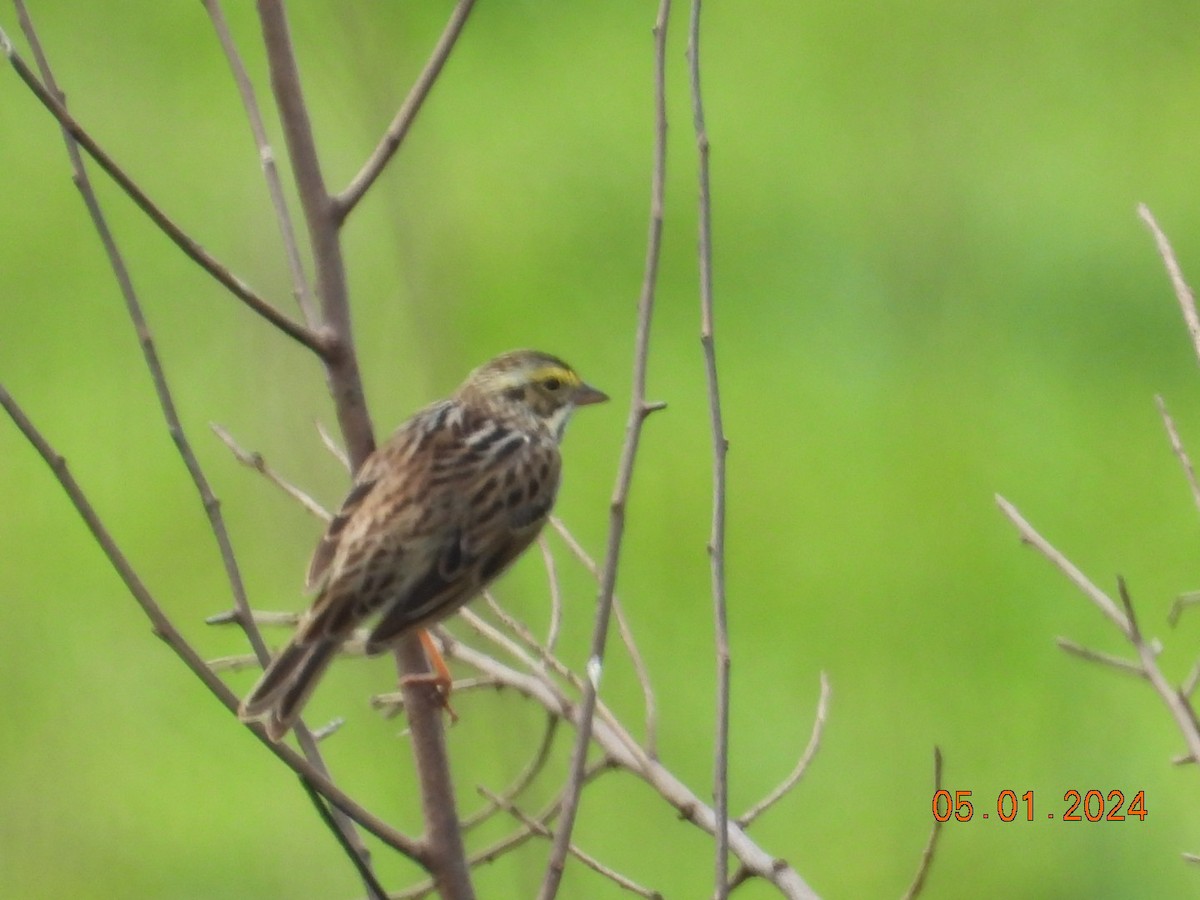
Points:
(585, 395)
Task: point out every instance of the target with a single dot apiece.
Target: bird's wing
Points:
(506, 484)
(440, 509)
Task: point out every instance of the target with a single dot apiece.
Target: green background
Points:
(931, 286)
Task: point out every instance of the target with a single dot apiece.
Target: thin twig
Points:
(1135, 632)
(627, 638)
(720, 447)
(1176, 701)
(346, 834)
(237, 663)
(548, 660)
(361, 862)
(1179, 450)
(927, 855)
(1104, 659)
(509, 842)
(587, 859)
(638, 411)
(334, 448)
(260, 617)
(1183, 293)
(190, 247)
(344, 203)
(256, 462)
(1189, 684)
(165, 629)
(1030, 536)
(158, 378)
(806, 758)
(523, 779)
(555, 626)
(1181, 603)
(623, 754)
(266, 157)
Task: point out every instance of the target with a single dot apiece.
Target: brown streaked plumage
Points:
(439, 510)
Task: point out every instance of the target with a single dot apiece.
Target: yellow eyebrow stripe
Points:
(566, 376)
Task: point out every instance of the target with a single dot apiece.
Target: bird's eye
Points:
(552, 383)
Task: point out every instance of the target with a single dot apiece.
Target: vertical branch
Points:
(716, 544)
(341, 362)
(639, 410)
(443, 836)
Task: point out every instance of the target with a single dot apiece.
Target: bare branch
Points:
(345, 202)
(1183, 602)
(256, 462)
(720, 447)
(806, 758)
(638, 411)
(133, 308)
(266, 156)
(1189, 684)
(1178, 449)
(346, 834)
(627, 638)
(1175, 699)
(191, 248)
(341, 362)
(927, 855)
(333, 447)
(353, 850)
(555, 626)
(523, 780)
(620, 752)
(1105, 659)
(164, 629)
(588, 860)
(447, 854)
(1183, 293)
(548, 662)
(1029, 536)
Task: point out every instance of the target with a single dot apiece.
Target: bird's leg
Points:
(440, 677)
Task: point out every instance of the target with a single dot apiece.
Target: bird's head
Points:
(528, 383)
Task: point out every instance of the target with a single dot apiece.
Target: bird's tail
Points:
(279, 697)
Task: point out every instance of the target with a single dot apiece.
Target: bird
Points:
(437, 512)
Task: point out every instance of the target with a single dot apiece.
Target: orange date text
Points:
(1077, 806)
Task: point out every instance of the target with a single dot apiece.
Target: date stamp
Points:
(1088, 806)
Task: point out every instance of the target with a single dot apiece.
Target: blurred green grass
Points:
(931, 287)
